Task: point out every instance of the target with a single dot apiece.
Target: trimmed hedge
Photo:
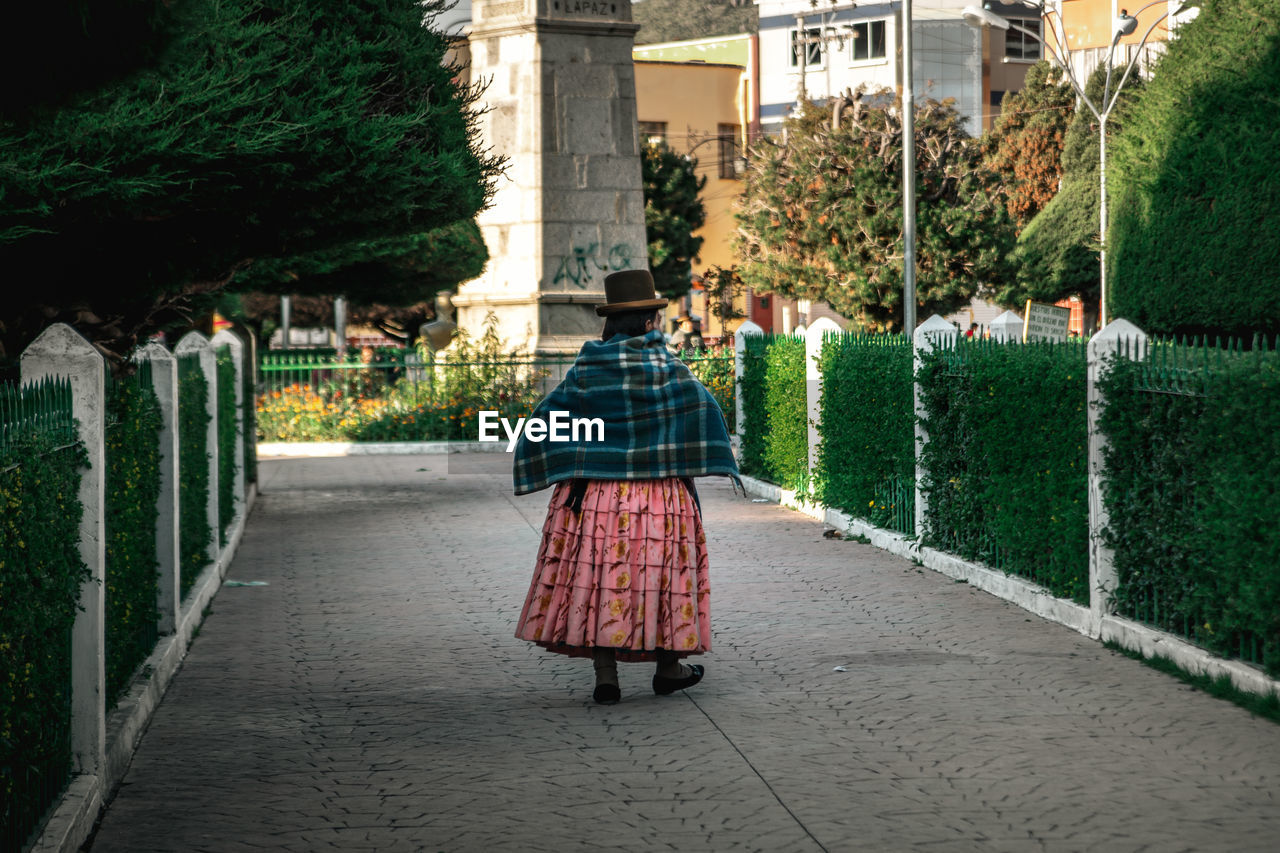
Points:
(866, 450)
(1193, 468)
(1005, 470)
(228, 422)
(40, 578)
(194, 533)
(774, 410)
(132, 492)
(1197, 157)
(250, 420)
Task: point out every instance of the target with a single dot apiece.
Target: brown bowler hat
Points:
(629, 290)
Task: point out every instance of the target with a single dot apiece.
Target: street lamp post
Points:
(1125, 24)
(908, 178)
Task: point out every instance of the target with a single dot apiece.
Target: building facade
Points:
(817, 52)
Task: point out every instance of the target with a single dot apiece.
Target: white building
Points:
(821, 51)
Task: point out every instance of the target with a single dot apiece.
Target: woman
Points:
(622, 570)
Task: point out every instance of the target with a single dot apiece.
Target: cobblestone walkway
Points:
(372, 697)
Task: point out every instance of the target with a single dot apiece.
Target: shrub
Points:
(1005, 471)
(41, 574)
(228, 422)
(714, 369)
(1192, 466)
(775, 443)
(132, 445)
(194, 532)
(1196, 160)
(866, 456)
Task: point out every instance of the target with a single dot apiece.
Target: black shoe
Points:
(607, 694)
(666, 686)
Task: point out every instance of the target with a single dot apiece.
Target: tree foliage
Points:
(1057, 252)
(59, 47)
(820, 216)
(263, 129)
(1025, 145)
(393, 270)
(672, 212)
(1195, 196)
(675, 20)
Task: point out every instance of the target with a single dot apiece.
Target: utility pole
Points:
(908, 178)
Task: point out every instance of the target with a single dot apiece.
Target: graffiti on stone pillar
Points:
(583, 265)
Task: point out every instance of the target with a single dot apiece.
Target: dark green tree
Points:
(821, 213)
(675, 20)
(1024, 147)
(392, 270)
(1194, 232)
(672, 212)
(1057, 252)
(275, 133)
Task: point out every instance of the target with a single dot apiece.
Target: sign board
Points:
(1045, 322)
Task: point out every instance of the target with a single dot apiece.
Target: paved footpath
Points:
(372, 697)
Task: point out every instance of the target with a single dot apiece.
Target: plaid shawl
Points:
(659, 421)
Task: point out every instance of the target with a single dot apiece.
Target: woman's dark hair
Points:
(629, 323)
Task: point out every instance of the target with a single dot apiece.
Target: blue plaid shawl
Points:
(659, 421)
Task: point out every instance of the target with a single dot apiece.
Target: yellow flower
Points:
(624, 579)
(690, 641)
(618, 638)
(687, 610)
(616, 607)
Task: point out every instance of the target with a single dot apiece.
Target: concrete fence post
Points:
(739, 349)
(1007, 328)
(1128, 341)
(61, 351)
(230, 339)
(930, 334)
(164, 379)
(194, 342)
(813, 338)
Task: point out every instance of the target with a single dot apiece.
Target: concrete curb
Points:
(318, 449)
(72, 818)
(1032, 597)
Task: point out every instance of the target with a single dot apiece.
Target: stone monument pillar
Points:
(562, 107)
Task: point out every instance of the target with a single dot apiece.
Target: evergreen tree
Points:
(821, 213)
(1195, 195)
(261, 129)
(1057, 252)
(1024, 147)
(672, 212)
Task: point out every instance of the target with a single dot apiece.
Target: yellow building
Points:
(698, 97)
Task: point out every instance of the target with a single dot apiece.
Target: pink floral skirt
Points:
(628, 572)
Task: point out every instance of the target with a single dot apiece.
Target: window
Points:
(1020, 45)
(868, 40)
(808, 42)
(728, 136)
(653, 132)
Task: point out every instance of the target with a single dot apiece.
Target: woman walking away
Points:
(622, 570)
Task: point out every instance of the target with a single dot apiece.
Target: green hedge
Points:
(866, 455)
(1005, 467)
(228, 423)
(249, 416)
(194, 533)
(132, 445)
(1193, 469)
(41, 574)
(774, 410)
